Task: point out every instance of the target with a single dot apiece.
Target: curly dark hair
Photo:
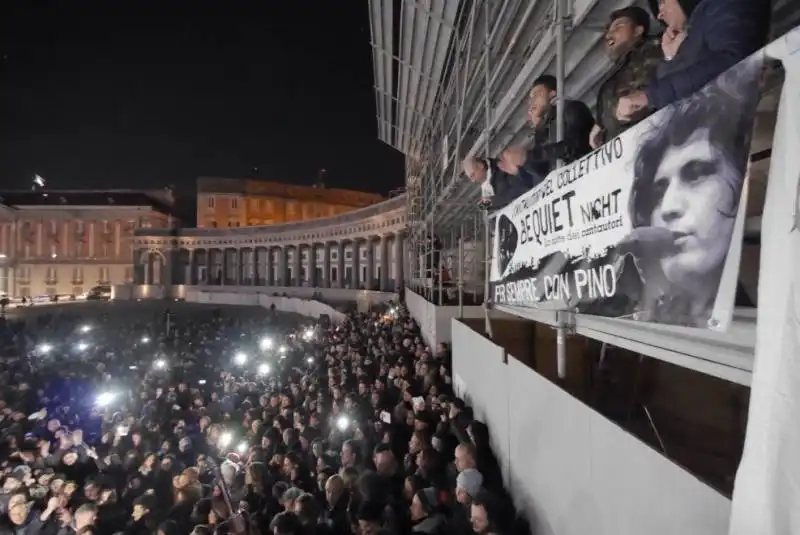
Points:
(725, 109)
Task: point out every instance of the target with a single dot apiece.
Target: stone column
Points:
(298, 264)
(356, 266)
(399, 261)
(312, 265)
(340, 263)
(283, 263)
(384, 284)
(326, 265)
(91, 239)
(370, 246)
(268, 271)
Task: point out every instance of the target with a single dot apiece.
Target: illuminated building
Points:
(66, 242)
(231, 202)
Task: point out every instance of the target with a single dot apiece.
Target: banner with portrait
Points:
(648, 226)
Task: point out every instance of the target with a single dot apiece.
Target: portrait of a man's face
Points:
(689, 171)
(695, 198)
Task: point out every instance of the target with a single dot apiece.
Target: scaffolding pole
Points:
(461, 273)
(487, 111)
(560, 18)
(474, 268)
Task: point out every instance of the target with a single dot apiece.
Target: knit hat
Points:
(471, 481)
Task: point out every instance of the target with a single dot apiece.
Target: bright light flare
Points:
(201, 382)
(310, 360)
(225, 440)
(242, 447)
(145, 339)
(263, 369)
(309, 334)
(240, 359)
(160, 364)
(283, 350)
(82, 346)
(86, 328)
(265, 344)
(105, 398)
(45, 348)
(343, 423)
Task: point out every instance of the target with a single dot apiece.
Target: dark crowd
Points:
(204, 422)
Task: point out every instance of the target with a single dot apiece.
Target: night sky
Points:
(94, 95)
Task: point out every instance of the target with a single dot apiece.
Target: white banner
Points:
(641, 228)
(766, 498)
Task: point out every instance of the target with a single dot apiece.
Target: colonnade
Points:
(286, 265)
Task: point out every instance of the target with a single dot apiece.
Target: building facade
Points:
(65, 243)
(361, 249)
(232, 203)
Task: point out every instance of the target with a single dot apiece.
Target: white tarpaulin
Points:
(766, 499)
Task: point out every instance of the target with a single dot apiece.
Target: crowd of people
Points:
(210, 422)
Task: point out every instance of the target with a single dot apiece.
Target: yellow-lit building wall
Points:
(241, 203)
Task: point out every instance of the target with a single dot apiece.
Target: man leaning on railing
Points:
(635, 58)
(703, 39)
(523, 166)
(542, 156)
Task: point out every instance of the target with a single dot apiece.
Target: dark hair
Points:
(637, 15)
(306, 509)
(491, 504)
(285, 523)
(729, 129)
(547, 80)
(355, 447)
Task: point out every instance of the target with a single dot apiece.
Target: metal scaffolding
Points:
(452, 83)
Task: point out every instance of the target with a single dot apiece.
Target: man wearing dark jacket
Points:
(703, 39)
(537, 161)
(635, 58)
(498, 188)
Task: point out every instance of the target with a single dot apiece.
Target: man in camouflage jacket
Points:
(635, 60)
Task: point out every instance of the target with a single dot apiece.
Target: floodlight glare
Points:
(201, 382)
(145, 339)
(133, 367)
(105, 398)
(263, 369)
(309, 334)
(241, 447)
(310, 360)
(343, 423)
(82, 346)
(86, 328)
(265, 343)
(282, 349)
(45, 348)
(239, 359)
(160, 364)
(225, 439)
